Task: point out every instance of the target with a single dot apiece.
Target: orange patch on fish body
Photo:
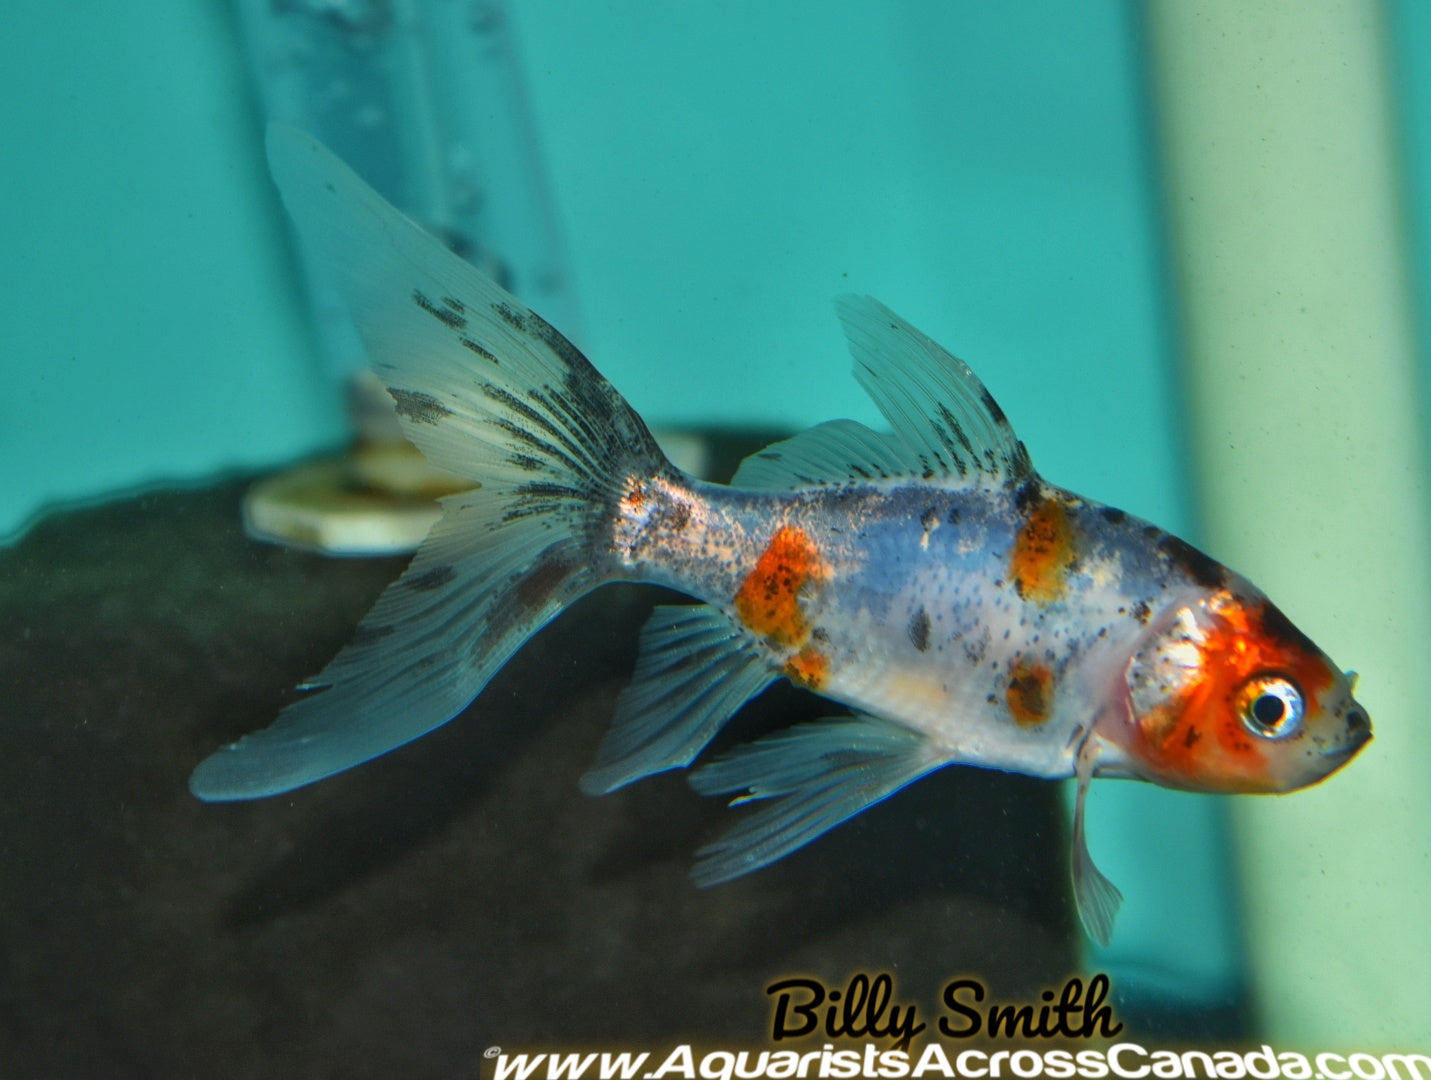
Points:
(1030, 693)
(634, 497)
(769, 599)
(1044, 551)
(807, 668)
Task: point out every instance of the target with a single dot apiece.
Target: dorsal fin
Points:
(938, 408)
(836, 451)
(945, 423)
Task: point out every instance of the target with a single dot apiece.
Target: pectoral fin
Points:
(1098, 898)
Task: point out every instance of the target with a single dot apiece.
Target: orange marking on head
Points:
(1030, 693)
(1198, 738)
(808, 668)
(769, 599)
(1044, 551)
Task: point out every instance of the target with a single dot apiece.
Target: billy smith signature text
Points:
(865, 1008)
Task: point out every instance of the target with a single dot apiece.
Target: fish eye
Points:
(1271, 706)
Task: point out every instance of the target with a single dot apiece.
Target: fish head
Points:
(1224, 694)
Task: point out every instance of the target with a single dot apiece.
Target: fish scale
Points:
(968, 612)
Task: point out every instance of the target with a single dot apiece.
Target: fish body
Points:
(966, 610)
(905, 599)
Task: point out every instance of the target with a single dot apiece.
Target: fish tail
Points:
(489, 390)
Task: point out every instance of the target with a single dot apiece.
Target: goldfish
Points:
(962, 610)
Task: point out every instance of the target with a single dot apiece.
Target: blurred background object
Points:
(425, 99)
(1291, 245)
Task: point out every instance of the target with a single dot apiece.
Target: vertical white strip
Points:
(1288, 236)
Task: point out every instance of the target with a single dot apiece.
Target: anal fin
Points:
(819, 774)
(695, 669)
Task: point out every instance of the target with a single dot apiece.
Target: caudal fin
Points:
(487, 389)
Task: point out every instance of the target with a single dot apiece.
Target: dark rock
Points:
(458, 893)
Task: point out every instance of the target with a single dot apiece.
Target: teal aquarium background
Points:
(719, 173)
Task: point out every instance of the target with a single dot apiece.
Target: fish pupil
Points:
(1269, 709)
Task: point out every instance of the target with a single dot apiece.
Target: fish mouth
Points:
(1358, 735)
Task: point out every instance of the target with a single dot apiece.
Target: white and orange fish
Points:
(967, 611)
